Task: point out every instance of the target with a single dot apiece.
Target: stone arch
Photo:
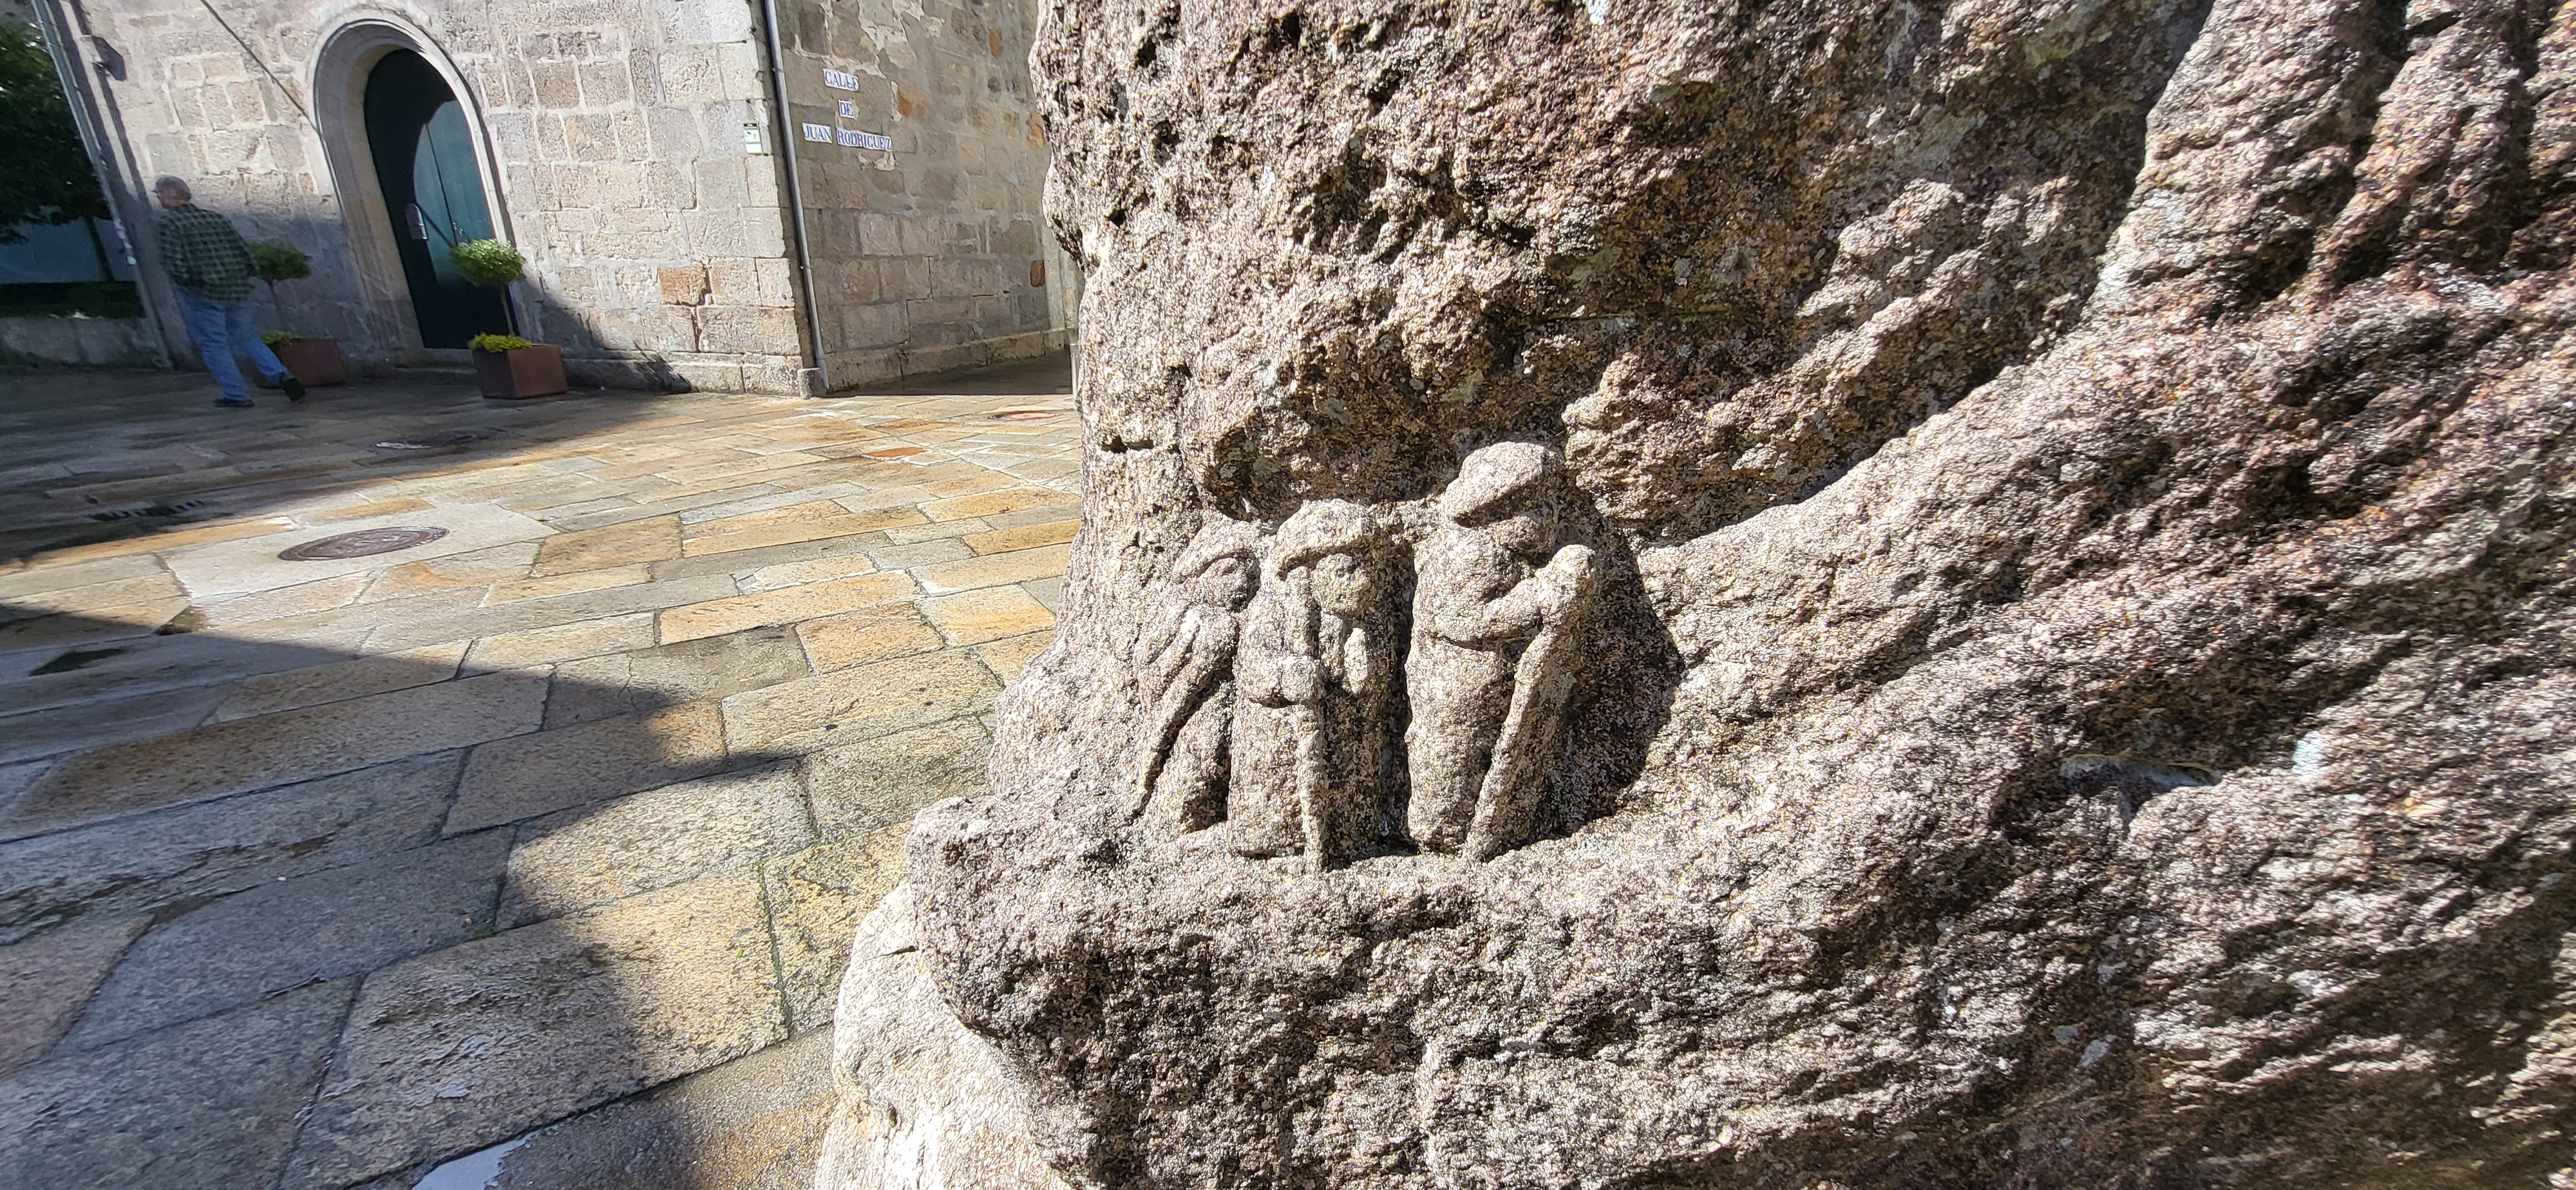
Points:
(360, 38)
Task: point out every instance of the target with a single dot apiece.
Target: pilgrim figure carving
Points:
(1315, 674)
(1499, 609)
(1185, 656)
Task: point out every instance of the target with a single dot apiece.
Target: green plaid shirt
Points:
(204, 255)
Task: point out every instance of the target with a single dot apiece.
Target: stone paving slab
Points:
(816, 899)
(561, 825)
(861, 788)
(214, 849)
(251, 564)
(524, 776)
(570, 861)
(45, 981)
(589, 689)
(246, 754)
(752, 1124)
(290, 933)
(57, 730)
(876, 633)
(205, 1106)
(340, 681)
(805, 714)
(459, 1049)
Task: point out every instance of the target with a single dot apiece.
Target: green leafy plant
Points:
(274, 261)
(493, 263)
(277, 260)
(498, 343)
(488, 262)
(275, 338)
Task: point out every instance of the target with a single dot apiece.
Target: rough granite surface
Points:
(2031, 598)
(923, 1102)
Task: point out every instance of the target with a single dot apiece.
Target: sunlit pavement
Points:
(321, 872)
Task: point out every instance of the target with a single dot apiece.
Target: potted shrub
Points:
(315, 360)
(510, 368)
(507, 366)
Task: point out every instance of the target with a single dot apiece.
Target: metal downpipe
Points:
(812, 319)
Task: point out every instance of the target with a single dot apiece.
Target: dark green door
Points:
(434, 192)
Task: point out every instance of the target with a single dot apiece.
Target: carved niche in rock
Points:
(1284, 668)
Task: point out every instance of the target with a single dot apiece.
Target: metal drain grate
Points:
(119, 514)
(361, 544)
(438, 441)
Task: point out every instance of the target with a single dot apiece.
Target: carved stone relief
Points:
(1944, 397)
(1499, 614)
(1363, 678)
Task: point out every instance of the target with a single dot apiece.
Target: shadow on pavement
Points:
(328, 900)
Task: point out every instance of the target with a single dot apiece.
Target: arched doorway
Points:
(425, 167)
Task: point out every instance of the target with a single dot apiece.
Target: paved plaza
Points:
(334, 872)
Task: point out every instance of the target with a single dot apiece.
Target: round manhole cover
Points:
(1024, 415)
(363, 543)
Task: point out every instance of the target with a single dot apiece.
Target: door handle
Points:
(419, 222)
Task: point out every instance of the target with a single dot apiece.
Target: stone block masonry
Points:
(630, 152)
(925, 246)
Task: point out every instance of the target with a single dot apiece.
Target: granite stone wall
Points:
(634, 161)
(924, 250)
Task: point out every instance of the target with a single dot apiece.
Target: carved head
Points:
(1226, 582)
(1338, 543)
(1221, 564)
(1508, 490)
(1345, 585)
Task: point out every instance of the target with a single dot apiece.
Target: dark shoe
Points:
(228, 403)
(294, 387)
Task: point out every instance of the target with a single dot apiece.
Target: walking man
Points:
(210, 267)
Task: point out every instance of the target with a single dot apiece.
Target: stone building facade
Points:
(632, 150)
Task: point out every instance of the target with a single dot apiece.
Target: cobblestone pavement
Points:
(323, 873)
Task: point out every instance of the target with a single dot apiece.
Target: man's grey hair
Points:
(173, 184)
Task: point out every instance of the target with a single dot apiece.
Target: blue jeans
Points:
(219, 331)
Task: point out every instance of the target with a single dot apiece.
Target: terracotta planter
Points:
(513, 375)
(316, 362)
